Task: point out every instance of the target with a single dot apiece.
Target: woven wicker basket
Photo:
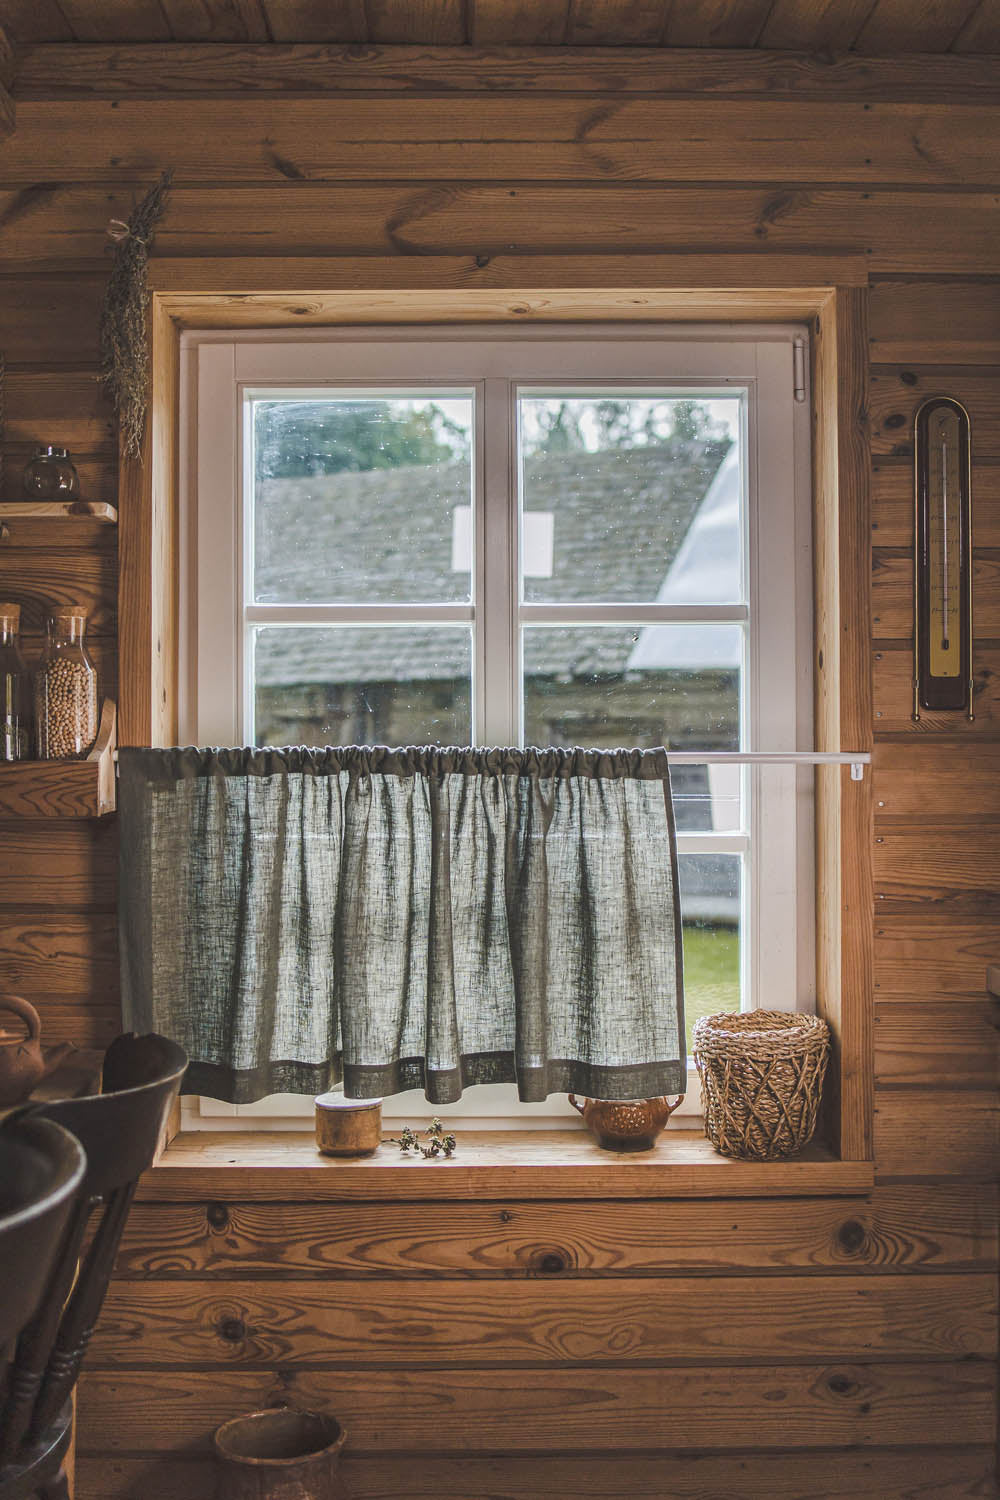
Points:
(761, 1078)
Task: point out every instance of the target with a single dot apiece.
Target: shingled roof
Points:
(386, 536)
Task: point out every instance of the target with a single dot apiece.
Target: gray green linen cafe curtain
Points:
(397, 919)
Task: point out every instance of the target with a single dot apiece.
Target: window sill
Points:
(488, 1165)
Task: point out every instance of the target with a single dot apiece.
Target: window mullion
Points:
(215, 699)
(357, 614)
(496, 558)
(584, 613)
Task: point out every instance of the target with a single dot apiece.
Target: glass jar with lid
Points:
(65, 689)
(15, 689)
(51, 475)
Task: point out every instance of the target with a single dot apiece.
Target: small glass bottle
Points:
(15, 689)
(65, 689)
(51, 475)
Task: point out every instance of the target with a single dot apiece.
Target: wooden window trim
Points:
(829, 292)
(550, 1164)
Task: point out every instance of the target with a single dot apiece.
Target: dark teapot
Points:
(22, 1063)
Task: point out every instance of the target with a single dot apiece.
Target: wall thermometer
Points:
(942, 636)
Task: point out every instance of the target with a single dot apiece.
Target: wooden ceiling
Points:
(866, 26)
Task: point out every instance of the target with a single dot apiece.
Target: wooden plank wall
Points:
(799, 1348)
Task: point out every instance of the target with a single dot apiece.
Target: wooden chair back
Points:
(41, 1172)
(120, 1130)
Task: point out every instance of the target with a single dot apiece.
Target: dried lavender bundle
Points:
(124, 324)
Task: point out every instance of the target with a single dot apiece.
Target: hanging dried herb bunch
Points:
(124, 326)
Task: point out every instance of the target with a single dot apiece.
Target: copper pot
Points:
(348, 1127)
(626, 1124)
(22, 1064)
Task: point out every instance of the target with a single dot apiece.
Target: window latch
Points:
(799, 369)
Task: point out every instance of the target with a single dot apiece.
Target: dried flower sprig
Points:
(407, 1140)
(124, 324)
(440, 1142)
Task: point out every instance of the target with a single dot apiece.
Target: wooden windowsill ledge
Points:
(284, 1165)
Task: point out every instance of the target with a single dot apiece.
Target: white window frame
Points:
(221, 371)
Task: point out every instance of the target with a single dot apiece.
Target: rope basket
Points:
(761, 1078)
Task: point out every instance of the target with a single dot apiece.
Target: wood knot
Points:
(895, 419)
(851, 1236)
(841, 1385)
(908, 377)
(552, 1263)
(217, 1215)
(506, 1217)
(233, 1330)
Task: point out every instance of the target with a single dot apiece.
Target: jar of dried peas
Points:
(65, 689)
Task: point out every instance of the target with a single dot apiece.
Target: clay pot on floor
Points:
(279, 1454)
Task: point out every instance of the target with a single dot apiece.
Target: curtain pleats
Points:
(404, 918)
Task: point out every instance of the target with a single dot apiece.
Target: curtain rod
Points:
(856, 759)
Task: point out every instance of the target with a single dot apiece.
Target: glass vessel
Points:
(51, 475)
(66, 689)
(15, 689)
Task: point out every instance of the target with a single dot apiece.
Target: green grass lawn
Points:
(711, 972)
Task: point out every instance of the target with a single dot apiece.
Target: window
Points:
(558, 535)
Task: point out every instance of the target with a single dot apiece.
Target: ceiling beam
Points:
(216, 70)
(8, 67)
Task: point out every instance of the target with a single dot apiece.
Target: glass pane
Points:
(710, 910)
(603, 686)
(363, 500)
(631, 499)
(363, 685)
(707, 799)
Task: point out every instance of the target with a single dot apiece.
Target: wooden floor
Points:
(534, 1346)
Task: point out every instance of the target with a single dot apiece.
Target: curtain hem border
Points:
(440, 1085)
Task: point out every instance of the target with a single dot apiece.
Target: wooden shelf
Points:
(245, 1165)
(58, 510)
(64, 788)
